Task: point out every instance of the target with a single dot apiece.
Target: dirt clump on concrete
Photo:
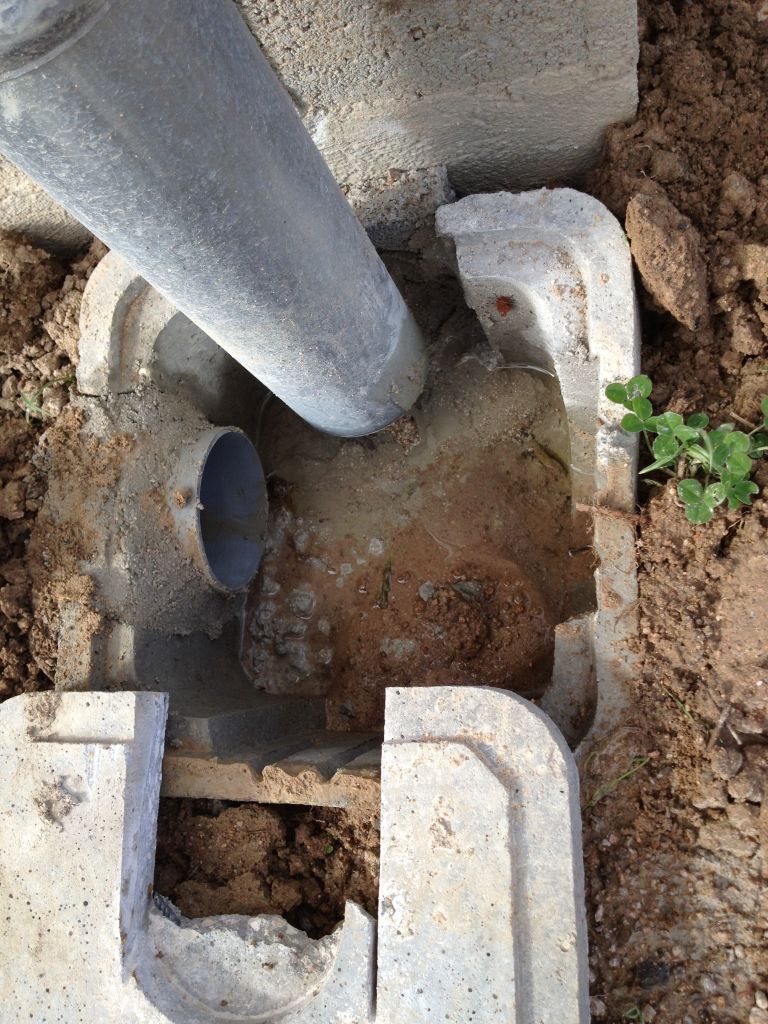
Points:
(302, 863)
(675, 802)
(38, 346)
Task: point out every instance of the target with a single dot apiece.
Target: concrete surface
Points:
(260, 969)
(481, 916)
(83, 941)
(481, 899)
(503, 95)
(28, 210)
(549, 275)
(79, 784)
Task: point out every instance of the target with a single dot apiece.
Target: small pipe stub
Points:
(218, 499)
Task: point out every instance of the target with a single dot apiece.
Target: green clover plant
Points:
(725, 455)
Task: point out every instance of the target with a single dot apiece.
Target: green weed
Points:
(639, 761)
(31, 400)
(634, 1013)
(724, 456)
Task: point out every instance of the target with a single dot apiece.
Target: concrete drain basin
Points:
(424, 621)
(320, 530)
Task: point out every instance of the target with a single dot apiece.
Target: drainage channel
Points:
(482, 540)
(444, 549)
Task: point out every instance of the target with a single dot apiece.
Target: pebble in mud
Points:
(302, 602)
(726, 762)
(396, 647)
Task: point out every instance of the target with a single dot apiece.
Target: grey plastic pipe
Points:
(160, 125)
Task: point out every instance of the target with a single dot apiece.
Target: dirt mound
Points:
(39, 307)
(677, 851)
(698, 147)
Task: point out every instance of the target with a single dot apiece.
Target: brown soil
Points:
(302, 863)
(394, 568)
(39, 304)
(434, 552)
(677, 854)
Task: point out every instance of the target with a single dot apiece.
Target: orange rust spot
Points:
(504, 304)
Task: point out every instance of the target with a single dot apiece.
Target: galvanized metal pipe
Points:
(164, 130)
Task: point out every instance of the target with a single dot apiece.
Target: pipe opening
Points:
(232, 511)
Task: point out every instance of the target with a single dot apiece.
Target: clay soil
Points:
(302, 863)
(675, 812)
(677, 854)
(391, 562)
(39, 309)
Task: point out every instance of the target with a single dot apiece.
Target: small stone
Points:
(298, 656)
(743, 817)
(265, 612)
(302, 602)
(726, 762)
(714, 795)
(47, 365)
(345, 568)
(669, 254)
(721, 837)
(376, 546)
(54, 401)
(598, 1007)
(746, 786)
(10, 387)
(12, 500)
(757, 1015)
(397, 648)
(739, 194)
(301, 541)
(470, 590)
(761, 1000)
(746, 332)
(427, 591)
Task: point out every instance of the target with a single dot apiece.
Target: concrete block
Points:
(481, 909)
(504, 95)
(549, 275)
(79, 784)
(260, 969)
(481, 903)
(26, 209)
(83, 940)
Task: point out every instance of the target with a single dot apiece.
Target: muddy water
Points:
(435, 553)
